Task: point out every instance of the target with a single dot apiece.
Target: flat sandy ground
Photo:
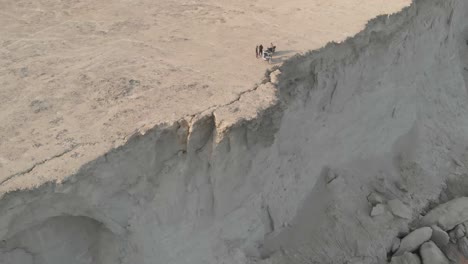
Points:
(78, 76)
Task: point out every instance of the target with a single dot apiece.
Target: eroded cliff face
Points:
(281, 175)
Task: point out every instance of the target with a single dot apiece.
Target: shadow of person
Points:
(278, 60)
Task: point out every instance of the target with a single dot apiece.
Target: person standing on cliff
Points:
(260, 50)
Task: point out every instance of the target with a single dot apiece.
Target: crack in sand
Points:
(42, 162)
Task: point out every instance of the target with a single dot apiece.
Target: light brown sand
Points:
(77, 77)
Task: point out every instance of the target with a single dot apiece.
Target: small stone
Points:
(439, 236)
(431, 254)
(459, 231)
(447, 215)
(395, 244)
(400, 209)
(375, 198)
(463, 246)
(378, 210)
(406, 258)
(414, 239)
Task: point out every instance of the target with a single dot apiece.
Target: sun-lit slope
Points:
(78, 77)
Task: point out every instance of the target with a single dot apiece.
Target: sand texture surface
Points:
(78, 77)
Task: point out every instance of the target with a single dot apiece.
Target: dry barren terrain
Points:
(78, 76)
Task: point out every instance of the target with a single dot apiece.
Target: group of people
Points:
(259, 50)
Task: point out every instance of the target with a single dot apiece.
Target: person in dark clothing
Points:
(256, 52)
(260, 50)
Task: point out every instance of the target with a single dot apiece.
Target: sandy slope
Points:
(77, 77)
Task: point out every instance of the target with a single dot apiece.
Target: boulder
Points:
(463, 246)
(379, 209)
(447, 215)
(439, 236)
(414, 239)
(406, 258)
(431, 254)
(399, 209)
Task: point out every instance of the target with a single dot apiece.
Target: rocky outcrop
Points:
(443, 247)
